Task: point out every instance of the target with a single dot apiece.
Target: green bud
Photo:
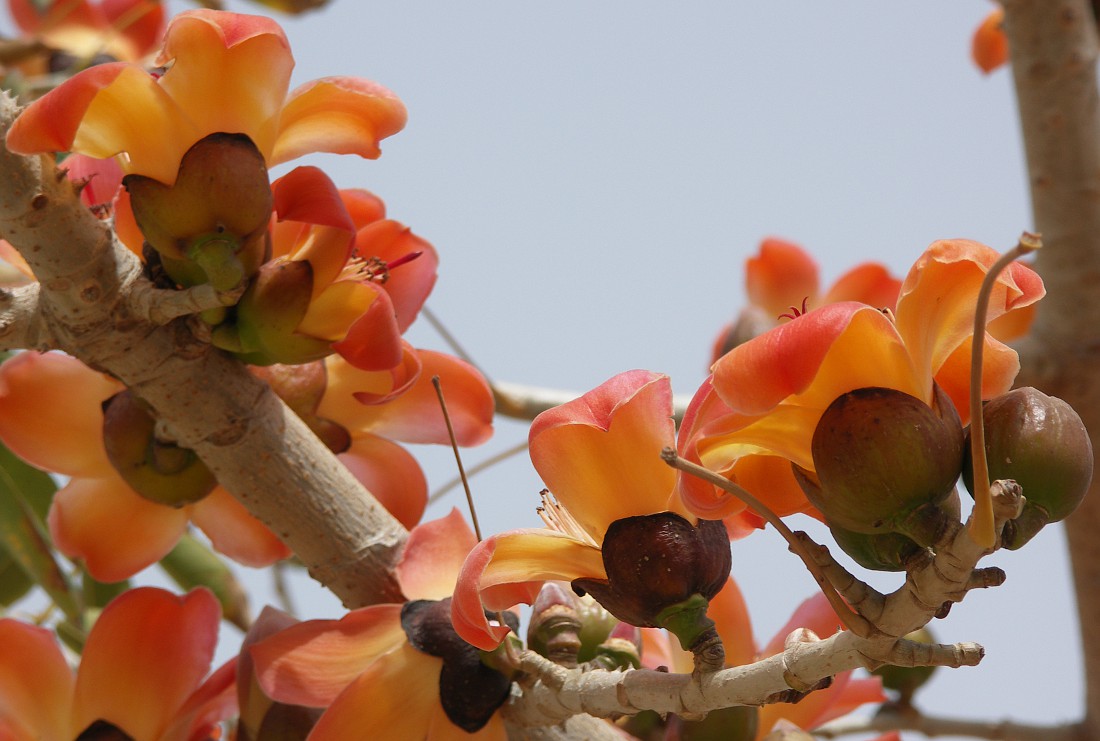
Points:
(158, 470)
(885, 460)
(1040, 442)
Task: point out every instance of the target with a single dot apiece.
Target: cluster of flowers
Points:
(328, 285)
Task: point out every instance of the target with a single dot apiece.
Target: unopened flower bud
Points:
(621, 650)
(1040, 442)
(555, 626)
(596, 625)
(158, 470)
(885, 460)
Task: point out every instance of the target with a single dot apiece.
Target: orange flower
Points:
(141, 674)
(989, 47)
(759, 409)
(363, 667)
(731, 617)
(782, 279)
(600, 455)
(116, 29)
(97, 517)
(225, 72)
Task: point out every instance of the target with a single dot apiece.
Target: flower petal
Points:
(433, 557)
(365, 207)
(409, 283)
(393, 698)
(230, 73)
(147, 652)
(390, 473)
(781, 276)
(235, 532)
(211, 703)
(414, 416)
(373, 341)
(731, 617)
(342, 115)
(310, 663)
(814, 613)
(868, 283)
(33, 703)
(509, 568)
(110, 528)
(989, 48)
(99, 180)
(600, 454)
(42, 393)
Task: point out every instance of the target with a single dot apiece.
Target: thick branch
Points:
(92, 305)
(21, 323)
(1054, 54)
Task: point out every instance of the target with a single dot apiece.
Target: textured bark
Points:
(92, 303)
(1054, 53)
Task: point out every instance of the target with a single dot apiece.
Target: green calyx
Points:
(687, 620)
(216, 255)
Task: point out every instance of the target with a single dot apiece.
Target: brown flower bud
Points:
(885, 460)
(1040, 442)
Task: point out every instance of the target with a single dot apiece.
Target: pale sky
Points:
(594, 174)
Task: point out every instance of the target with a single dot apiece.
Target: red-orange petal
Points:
(509, 568)
(814, 613)
(731, 618)
(213, 702)
(341, 115)
(99, 179)
(311, 663)
(36, 684)
(989, 47)
(433, 557)
(600, 454)
(868, 283)
(373, 341)
(409, 283)
(145, 655)
(780, 276)
(115, 532)
(42, 393)
(140, 21)
(365, 207)
(235, 532)
(391, 474)
(307, 195)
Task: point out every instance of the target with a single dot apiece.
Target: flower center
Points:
(560, 519)
(375, 268)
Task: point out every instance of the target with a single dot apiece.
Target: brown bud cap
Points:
(469, 691)
(158, 470)
(656, 561)
(884, 460)
(1040, 442)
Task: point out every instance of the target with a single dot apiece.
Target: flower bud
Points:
(469, 690)
(621, 650)
(885, 460)
(555, 626)
(661, 571)
(1040, 442)
(211, 225)
(159, 471)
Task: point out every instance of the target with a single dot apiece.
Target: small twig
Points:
(161, 305)
(981, 525)
(476, 469)
(850, 619)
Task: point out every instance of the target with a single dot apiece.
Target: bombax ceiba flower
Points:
(616, 527)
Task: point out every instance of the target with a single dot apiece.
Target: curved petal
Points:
(311, 663)
(230, 73)
(126, 228)
(212, 703)
(373, 341)
(234, 532)
(509, 568)
(141, 22)
(1000, 364)
(33, 703)
(600, 454)
(42, 393)
(365, 207)
(408, 283)
(99, 180)
(860, 342)
(936, 306)
(339, 306)
(341, 115)
(433, 557)
(393, 698)
(782, 275)
(308, 196)
(391, 474)
(414, 416)
(388, 385)
(868, 283)
(147, 652)
(854, 693)
(111, 529)
(731, 618)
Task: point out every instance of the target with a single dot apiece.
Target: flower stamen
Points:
(561, 520)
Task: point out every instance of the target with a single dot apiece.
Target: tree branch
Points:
(893, 718)
(21, 323)
(92, 300)
(1054, 54)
